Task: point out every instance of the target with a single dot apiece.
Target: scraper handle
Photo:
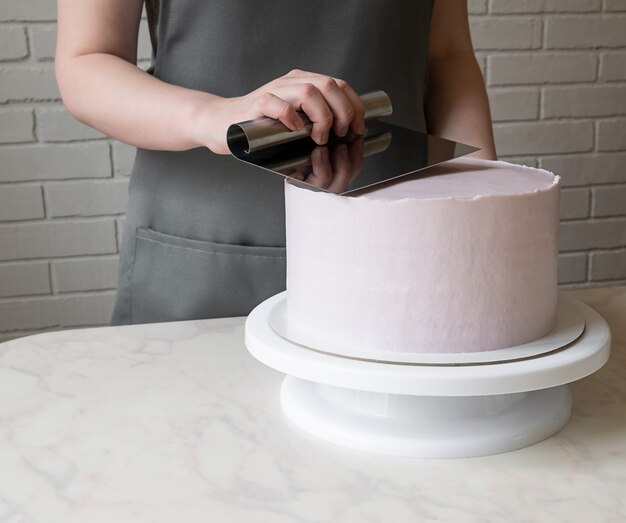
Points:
(251, 136)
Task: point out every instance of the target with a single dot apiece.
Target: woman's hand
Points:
(334, 169)
(102, 87)
(330, 103)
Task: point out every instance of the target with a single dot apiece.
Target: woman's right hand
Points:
(330, 103)
(334, 169)
(102, 87)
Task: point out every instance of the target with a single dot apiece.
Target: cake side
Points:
(423, 275)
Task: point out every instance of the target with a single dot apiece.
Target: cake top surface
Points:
(467, 178)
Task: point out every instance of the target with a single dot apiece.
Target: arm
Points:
(102, 87)
(457, 106)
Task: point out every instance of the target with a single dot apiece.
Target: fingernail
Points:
(325, 138)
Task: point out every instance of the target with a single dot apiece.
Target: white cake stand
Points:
(433, 410)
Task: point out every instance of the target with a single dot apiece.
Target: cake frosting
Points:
(462, 260)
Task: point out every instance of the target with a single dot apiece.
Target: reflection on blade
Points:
(302, 162)
(344, 165)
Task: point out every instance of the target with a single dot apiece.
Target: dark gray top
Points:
(205, 235)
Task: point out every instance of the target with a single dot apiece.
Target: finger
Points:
(341, 168)
(305, 96)
(268, 104)
(356, 156)
(294, 173)
(357, 123)
(297, 72)
(322, 173)
(340, 105)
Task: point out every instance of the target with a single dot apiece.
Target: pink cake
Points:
(463, 261)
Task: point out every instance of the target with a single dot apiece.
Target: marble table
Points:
(175, 422)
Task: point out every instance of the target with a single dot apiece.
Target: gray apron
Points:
(205, 233)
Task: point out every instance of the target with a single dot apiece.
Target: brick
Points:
(16, 125)
(28, 10)
(572, 268)
(144, 65)
(120, 227)
(13, 335)
(535, 68)
(614, 5)
(505, 33)
(28, 83)
(590, 31)
(85, 275)
(54, 239)
(586, 169)
(543, 6)
(609, 201)
(55, 124)
(574, 203)
(610, 265)
(54, 162)
(80, 311)
(66, 311)
(596, 100)
(477, 7)
(24, 279)
(481, 58)
(613, 66)
(514, 139)
(123, 158)
(28, 314)
(13, 43)
(527, 161)
(514, 104)
(612, 135)
(90, 198)
(609, 233)
(144, 45)
(43, 39)
(20, 202)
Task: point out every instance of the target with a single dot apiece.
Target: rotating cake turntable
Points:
(474, 267)
(430, 405)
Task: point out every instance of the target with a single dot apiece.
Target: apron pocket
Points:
(176, 278)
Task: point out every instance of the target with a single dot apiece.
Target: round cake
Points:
(462, 260)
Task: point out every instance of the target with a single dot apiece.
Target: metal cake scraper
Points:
(345, 164)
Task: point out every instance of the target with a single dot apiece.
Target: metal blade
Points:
(347, 164)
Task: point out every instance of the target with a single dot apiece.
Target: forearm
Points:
(130, 105)
(457, 106)
(102, 87)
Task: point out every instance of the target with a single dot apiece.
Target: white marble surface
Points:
(176, 422)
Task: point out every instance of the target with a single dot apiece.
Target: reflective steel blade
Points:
(347, 164)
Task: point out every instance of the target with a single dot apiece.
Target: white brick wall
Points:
(556, 77)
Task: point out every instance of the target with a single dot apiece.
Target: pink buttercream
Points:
(465, 261)
(466, 178)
